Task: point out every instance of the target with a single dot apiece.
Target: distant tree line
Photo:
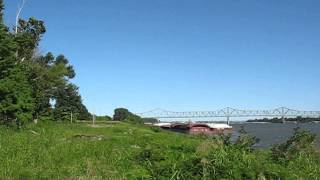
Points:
(279, 120)
(34, 85)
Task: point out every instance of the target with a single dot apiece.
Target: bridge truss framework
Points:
(228, 112)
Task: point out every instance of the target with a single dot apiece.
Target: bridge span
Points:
(229, 112)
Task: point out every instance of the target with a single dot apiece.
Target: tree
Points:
(103, 118)
(28, 37)
(48, 75)
(28, 81)
(122, 114)
(42, 83)
(7, 47)
(1, 10)
(69, 101)
(150, 120)
(16, 101)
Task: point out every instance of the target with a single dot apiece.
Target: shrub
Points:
(246, 141)
(302, 142)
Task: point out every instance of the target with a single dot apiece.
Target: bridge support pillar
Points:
(228, 120)
(283, 114)
(283, 119)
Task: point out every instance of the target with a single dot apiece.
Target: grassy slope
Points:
(132, 152)
(55, 154)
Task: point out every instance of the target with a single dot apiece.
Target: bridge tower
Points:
(228, 115)
(283, 114)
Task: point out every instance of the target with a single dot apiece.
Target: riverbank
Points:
(125, 151)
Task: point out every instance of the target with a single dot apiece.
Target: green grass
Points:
(56, 151)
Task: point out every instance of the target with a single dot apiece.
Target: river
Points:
(274, 133)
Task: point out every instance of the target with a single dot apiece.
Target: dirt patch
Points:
(99, 125)
(88, 137)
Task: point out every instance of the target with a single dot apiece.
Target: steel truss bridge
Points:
(229, 112)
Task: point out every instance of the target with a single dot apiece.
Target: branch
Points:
(18, 15)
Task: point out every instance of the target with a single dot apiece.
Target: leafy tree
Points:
(122, 114)
(16, 101)
(150, 120)
(28, 37)
(47, 75)
(69, 101)
(28, 81)
(103, 118)
(1, 9)
(42, 82)
(7, 47)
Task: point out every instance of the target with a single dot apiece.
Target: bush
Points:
(245, 141)
(220, 158)
(302, 142)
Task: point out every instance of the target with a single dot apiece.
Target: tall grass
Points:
(124, 151)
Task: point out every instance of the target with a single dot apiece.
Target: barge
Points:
(197, 128)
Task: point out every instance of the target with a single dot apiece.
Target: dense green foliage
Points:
(103, 118)
(150, 120)
(300, 144)
(29, 81)
(68, 100)
(122, 114)
(127, 151)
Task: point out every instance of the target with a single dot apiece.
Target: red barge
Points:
(197, 128)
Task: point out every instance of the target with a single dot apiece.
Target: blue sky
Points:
(186, 55)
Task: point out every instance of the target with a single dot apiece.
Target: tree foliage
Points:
(28, 37)
(245, 140)
(122, 114)
(17, 103)
(150, 120)
(301, 143)
(298, 119)
(103, 118)
(29, 81)
(68, 100)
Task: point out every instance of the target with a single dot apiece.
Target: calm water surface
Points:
(274, 133)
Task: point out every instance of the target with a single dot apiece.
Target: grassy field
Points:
(52, 150)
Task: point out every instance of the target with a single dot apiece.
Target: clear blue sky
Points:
(186, 55)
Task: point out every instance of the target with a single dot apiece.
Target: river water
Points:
(274, 133)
